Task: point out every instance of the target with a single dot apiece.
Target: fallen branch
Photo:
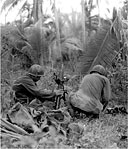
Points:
(13, 127)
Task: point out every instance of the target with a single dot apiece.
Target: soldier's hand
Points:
(105, 105)
(58, 92)
(47, 91)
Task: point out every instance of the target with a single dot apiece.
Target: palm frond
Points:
(12, 127)
(101, 49)
(109, 46)
(12, 42)
(11, 4)
(7, 3)
(72, 44)
(21, 8)
(13, 33)
(21, 139)
(69, 46)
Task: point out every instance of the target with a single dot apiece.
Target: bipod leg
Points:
(57, 102)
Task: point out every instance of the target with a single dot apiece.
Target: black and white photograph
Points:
(64, 74)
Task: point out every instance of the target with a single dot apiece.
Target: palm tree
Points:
(98, 1)
(66, 46)
(37, 14)
(70, 44)
(102, 47)
(83, 22)
(73, 25)
(34, 13)
(10, 4)
(57, 26)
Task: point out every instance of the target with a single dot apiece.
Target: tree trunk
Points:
(35, 10)
(99, 24)
(57, 30)
(38, 16)
(83, 23)
(42, 46)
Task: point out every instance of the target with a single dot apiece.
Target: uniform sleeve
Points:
(37, 92)
(31, 87)
(107, 90)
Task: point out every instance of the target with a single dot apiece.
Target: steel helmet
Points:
(36, 70)
(99, 69)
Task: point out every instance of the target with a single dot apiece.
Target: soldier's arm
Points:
(107, 90)
(40, 93)
(106, 94)
(35, 91)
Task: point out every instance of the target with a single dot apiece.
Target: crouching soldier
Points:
(93, 94)
(26, 89)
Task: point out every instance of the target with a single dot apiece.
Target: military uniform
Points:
(25, 87)
(93, 93)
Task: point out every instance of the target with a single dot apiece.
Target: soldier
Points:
(93, 94)
(25, 87)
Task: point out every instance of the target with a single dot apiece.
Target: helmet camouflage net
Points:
(99, 69)
(36, 70)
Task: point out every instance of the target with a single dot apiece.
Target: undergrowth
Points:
(103, 133)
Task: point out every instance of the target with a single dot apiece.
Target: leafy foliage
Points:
(124, 10)
(11, 4)
(71, 49)
(118, 75)
(104, 132)
(39, 45)
(97, 134)
(73, 25)
(7, 3)
(118, 78)
(33, 47)
(101, 49)
(12, 42)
